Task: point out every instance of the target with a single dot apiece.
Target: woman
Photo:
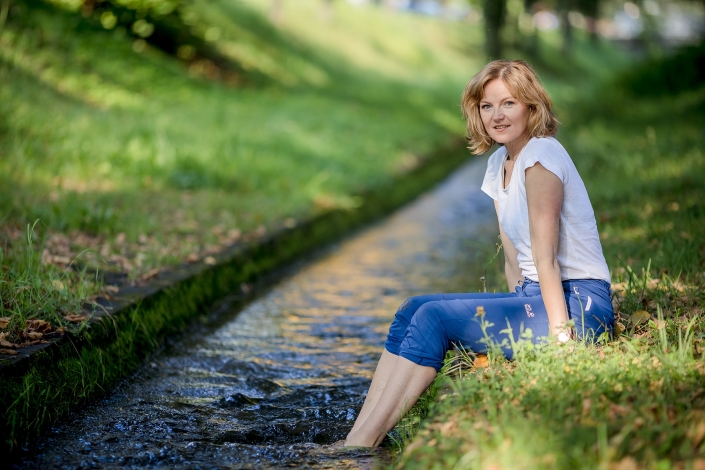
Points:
(553, 256)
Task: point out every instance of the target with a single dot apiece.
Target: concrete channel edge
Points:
(44, 382)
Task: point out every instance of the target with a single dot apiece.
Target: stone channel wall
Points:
(46, 381)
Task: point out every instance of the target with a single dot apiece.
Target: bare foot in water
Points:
(353, 440)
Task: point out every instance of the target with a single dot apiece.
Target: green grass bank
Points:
(636, 401)
(120, 157)
(126, 165)
(133, 174)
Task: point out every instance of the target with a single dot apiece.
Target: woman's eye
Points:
(485, 106)
(508, 103)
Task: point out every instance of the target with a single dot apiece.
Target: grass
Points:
(131, 162)
(635, 401)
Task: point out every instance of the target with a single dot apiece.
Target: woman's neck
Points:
(515, 146)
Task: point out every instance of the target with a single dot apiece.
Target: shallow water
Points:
(270, 385)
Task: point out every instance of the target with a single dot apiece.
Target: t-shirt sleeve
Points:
(549, 158)
(490, 185)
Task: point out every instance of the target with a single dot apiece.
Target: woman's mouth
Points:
(501, 128)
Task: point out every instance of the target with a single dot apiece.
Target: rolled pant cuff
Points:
(392, 346)
(422, 361)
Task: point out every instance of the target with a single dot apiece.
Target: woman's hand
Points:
(544, 194)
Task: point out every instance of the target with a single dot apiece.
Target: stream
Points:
(271, 384)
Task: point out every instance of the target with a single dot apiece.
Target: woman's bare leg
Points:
(379, 380)
(404, 387)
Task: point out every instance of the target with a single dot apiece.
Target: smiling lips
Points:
(501, 128)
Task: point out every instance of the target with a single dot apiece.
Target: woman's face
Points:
(505, 117)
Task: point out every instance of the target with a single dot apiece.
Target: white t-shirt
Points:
(579, 249)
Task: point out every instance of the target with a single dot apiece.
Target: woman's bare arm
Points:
(544, 194)
(511, 265)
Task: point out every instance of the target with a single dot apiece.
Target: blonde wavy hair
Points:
(524, 85)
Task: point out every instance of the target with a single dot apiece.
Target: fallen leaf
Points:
(73, 318)
(639, 317)
(58, 285)
(4, 323)
(8, 351)
(111, 289)
(149, 274)
(209, 260)
(587, 406)
(619, 329)
(481, 361)
(40, 326)
(696, 433)
(627, 463)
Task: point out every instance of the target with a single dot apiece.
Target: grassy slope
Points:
(141, 159)
(637, 402)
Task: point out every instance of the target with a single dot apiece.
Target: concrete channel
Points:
(270, 385)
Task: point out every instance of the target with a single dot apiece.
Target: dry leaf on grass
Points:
(4, 323)
(150, 274)
(639, 317)
(40, 326)
(73, 318)
(619, 329)
(627, 463)
(8, 351)
(111, 289)
(4, 342)
(481, 361)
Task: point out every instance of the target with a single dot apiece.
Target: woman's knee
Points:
(410, 306)
(402, 319)
(426, 341)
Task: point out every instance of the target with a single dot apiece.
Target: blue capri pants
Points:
(426, 326)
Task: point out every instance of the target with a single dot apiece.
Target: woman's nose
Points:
(498, 116)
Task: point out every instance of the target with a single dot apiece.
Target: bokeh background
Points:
(136, 135)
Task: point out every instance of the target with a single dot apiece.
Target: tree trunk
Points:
(494, 12)
(327, 10)
(566, 28)
(275, 11)
(591, 10)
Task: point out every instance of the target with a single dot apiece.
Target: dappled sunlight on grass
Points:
(635, 401)
(148, 160)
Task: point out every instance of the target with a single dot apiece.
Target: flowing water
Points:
(270, 385)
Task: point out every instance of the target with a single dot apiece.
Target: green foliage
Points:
(29, 289)
(668, 75)
(634, 402)
(147, 159)
(637, 400)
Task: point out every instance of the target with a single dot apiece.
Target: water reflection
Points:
(276, 382)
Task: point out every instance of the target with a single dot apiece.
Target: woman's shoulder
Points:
(546, 145)
(497, 158)
(550, 153)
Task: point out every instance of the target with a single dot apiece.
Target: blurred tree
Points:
(275, 11)
(532, 45)
(564, 9)
(591, 10)
(494, 12)
(327, 10)
(4, 8)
